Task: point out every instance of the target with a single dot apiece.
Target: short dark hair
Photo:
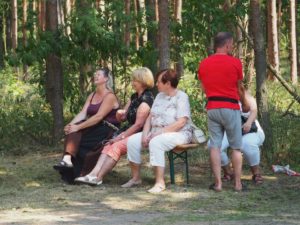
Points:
(169, 75)
(221, 38)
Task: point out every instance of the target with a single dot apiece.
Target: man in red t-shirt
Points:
(221, 75)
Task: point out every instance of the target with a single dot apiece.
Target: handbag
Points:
(253, 128)
(198, 135)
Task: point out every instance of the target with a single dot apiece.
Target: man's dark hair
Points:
(221, 38)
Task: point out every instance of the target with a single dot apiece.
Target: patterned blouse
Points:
(168, 109)
(136, 100)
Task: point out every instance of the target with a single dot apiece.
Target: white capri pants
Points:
(250, 148)
(157, 147)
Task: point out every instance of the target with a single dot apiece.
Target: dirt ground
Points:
(32, 193)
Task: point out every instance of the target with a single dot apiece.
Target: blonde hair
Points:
(144, 76)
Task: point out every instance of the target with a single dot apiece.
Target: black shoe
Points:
(62, 165)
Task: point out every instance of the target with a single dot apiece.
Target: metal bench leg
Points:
(186, 167)
(171, 162)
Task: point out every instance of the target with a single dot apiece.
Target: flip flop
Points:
(62, 165)
(213, 187)
(257, 179)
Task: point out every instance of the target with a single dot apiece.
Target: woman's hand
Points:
(117, 138)
(246, 127)
(71, 128)
(121, 115)
(145, 140)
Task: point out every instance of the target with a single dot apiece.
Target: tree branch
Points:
(284, 83)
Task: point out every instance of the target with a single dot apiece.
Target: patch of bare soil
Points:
(32, 193)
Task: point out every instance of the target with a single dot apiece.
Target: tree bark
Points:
(34, 9)
(260, 67)
(179, 64)
(67, 15)
(273, 49)
(60, 13)
(152, 19)
(42, 14)
(14, 25)
(8, 38)
(127, 24)
(137, 28)
(297, 36)
(24, 21)
(143, 29)
(54, 74)
(2, 49)
(293, 43)
(164, 34)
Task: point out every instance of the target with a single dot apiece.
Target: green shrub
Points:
(24, 116)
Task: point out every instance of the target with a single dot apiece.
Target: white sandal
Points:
(131, 183)
(156, 189)
(90, 180)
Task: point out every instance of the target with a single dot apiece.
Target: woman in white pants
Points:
(167, 126)
(251, 140)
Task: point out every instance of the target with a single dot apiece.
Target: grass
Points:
(32, 193)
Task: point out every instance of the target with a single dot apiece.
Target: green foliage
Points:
(24, 115)
(285, 126)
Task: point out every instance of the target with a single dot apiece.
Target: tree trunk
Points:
(137, 28)
(273, 49)
(279, 14)
(297, 36)
(67, 16)
(54, 75)
(60, 13)
(8, 41)
(24, 21)
(179, 65)
(260, 67)
(143, 30)
(293, 43)
(42, 13)
(127, 24)
(152, 18)
(2, 49)
(14, 25)
(34, 9)
(164, 35)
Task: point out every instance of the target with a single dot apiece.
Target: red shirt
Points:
(219, 75)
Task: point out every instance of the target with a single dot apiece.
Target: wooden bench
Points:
(180, 152)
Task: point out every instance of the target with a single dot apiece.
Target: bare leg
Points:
(255, 170)
(159, 180)
(159, 175)
(228, 173)
(256, 176)
(135, 176)
(100, 162)
(215, 160)
(107, 166)
(237, 162)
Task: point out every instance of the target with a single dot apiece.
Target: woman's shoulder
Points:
(147, 94)
(181, 93)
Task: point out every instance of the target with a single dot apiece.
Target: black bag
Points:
(253, 128)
